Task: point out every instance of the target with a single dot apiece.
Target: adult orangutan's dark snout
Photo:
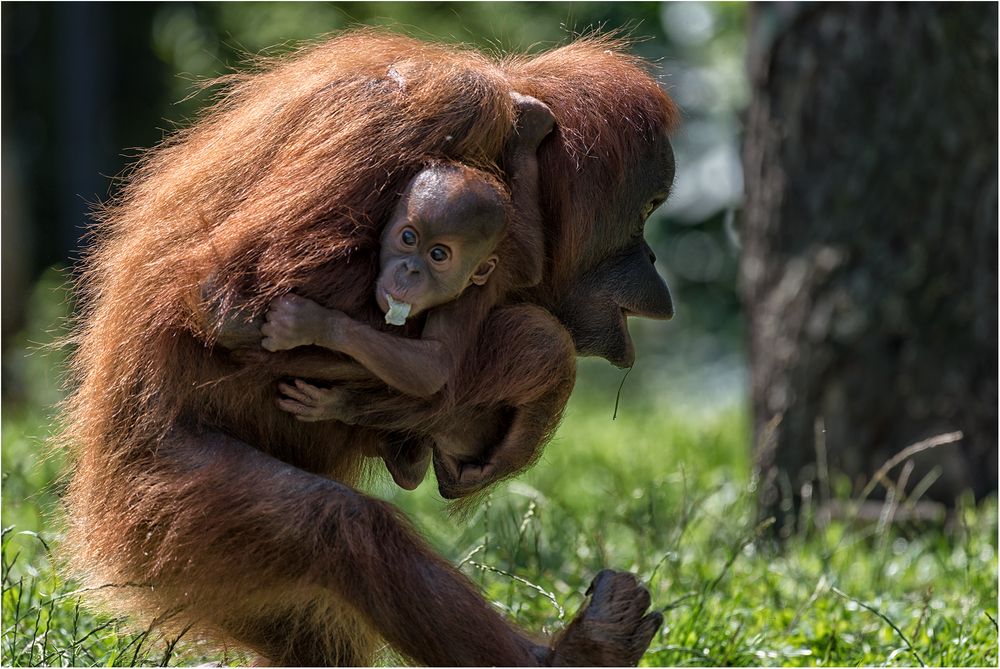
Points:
(595, 311)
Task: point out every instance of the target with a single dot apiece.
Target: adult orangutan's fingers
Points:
(629, 596)
(642, 600)
(645, 632)
(622, 589)
(600, 582)
(649, 626)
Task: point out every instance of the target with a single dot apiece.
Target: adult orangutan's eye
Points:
(439, 254)
(409, 237)
(651, 207)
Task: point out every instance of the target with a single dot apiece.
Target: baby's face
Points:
(439, 241)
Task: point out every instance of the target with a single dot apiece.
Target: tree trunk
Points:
(869, 266)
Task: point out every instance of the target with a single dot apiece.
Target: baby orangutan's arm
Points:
(224, 323)
(416, 367)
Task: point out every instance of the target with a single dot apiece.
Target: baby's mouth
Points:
(397, 312)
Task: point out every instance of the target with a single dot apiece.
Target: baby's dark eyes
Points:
(409, 237)
(439, 254)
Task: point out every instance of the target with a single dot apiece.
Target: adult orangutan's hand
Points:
(613, 629)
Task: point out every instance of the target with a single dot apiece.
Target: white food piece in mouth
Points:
(398, 311)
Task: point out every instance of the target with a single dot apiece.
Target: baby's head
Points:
(440, 239)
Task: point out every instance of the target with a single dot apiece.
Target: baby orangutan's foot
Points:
(476, 476)
(311, 404)
(407, 462)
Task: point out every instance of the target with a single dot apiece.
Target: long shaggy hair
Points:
(283, 184)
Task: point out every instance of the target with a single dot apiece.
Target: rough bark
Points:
(869, 267)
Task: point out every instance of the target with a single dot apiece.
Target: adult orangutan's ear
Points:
(484, 270)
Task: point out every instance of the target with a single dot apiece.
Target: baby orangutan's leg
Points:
(517, 381)
(490, 423)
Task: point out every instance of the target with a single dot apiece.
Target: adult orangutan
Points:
(195, 500)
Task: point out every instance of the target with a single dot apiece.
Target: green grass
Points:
(661, 490)
(653, 492)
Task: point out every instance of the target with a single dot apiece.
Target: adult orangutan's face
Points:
(617, 278)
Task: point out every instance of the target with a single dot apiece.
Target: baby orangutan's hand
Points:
(534, 123)
(293, 321)
(475, 476)
(311, 404)
(459, 479)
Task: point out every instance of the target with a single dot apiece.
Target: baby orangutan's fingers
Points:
(272, 341)
(294, 393)
(291, 299)
(457, 479)
(475, 475)
(273, 313)
(286, 301)
(302, 412)
(311, 391)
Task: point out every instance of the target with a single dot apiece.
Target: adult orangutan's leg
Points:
(226, 525)
(319, 634)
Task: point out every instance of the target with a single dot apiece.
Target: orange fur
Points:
(195, 501)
